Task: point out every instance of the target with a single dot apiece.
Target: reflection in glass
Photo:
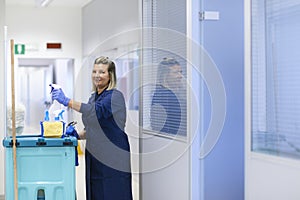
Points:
(166, 107)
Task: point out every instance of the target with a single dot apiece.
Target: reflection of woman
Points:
(165, 107)
(107, 154)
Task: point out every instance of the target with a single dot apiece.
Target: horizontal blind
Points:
(164, 30)
(275, 77)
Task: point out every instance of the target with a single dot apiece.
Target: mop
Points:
(13, 118)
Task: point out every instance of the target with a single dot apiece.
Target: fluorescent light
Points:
(43, 3)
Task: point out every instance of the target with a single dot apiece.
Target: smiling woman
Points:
(107, 152)
(103, 75)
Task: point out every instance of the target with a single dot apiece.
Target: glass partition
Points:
(275, 77)
(164, 68)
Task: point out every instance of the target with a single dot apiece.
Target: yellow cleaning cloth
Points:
(80, 152)
(53, 129)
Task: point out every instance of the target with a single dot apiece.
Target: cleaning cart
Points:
(46, 168)
(40, 167)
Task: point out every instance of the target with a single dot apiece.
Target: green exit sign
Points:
(19, 49)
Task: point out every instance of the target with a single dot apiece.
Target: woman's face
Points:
(100, 76)
(174, 78)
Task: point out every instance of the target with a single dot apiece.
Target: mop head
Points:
(19, 119)
(52, 129)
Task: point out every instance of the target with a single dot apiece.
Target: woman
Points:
(166, 108)
(107, 155)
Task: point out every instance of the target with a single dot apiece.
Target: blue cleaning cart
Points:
(45, 168)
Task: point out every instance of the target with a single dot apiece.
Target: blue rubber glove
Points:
(58, 95)
(71, 131)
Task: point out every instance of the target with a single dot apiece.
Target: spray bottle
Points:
(47, 118)
(56, 106)
(58, 115)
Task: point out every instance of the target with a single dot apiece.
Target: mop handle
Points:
(13, 118)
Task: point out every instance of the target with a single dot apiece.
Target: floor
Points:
(80, 178)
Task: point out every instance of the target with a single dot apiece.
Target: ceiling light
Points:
(43, 3)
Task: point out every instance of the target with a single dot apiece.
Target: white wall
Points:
(165, 165)
(266, 177)
(2, 94)
(104, 19)
(269, 177)
(35, 27)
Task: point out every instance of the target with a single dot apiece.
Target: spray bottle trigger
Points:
(58, 115)
(54, 86)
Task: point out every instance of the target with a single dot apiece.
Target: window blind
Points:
(164, 30)
(275, 77)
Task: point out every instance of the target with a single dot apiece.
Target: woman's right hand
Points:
(59, 95)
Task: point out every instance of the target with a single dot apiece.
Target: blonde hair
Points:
(111, 71)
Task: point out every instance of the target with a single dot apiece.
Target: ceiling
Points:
(53, 3)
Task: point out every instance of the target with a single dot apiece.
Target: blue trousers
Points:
(104, 182)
